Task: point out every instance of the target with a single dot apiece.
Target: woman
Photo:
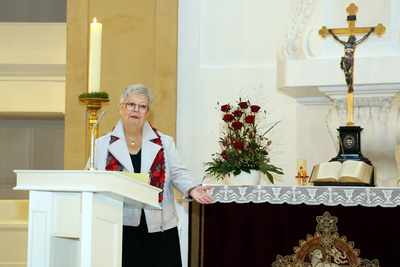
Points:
(150, 237)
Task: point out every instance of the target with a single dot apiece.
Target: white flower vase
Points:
(244, 178)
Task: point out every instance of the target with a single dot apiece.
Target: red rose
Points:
(269, 142)
(232, 139)
(243, 104)
(255, 108)
(250, 119)
(238, 145)
(228, 117)
(237, 124)
(265, 152)
(237, 113)
(225, 108)
(225, 143)
(250, 135)
(224, 155)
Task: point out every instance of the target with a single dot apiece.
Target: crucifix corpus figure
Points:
(347, 62)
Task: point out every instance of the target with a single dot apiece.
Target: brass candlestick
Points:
(93, 105)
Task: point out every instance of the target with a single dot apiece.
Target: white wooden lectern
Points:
(75, 217)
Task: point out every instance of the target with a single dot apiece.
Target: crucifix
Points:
(347, 62)
(350, 135)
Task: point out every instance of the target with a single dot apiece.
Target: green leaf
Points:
(270, 177)
(94, 95)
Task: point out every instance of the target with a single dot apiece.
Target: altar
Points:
(256, 225)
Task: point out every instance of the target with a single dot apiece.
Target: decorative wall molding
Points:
(366, 109)
(362, 90)
(379, 118)
(323, 78)
(314, 100)
(42, 72)
(291, 44)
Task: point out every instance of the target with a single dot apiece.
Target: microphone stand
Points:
(92, 168)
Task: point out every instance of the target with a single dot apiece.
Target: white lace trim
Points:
(310, 195)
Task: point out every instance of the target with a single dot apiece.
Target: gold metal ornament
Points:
(347, 63)
(93, 105)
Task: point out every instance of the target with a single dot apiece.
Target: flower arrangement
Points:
(243, 147)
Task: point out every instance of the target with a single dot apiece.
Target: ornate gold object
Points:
(93, 105)
(325, 248)
(347, 63)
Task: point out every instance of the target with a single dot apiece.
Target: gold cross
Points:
(347, 63)
(351, 30)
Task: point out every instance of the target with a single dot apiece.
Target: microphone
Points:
(92, 142)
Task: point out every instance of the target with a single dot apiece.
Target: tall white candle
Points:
(95, 56)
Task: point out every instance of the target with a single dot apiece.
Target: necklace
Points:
(134, 141)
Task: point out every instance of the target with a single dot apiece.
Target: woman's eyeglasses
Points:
(142, 108)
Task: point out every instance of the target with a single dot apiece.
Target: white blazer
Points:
(176, 173)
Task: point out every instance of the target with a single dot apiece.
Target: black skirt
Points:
(143, 249)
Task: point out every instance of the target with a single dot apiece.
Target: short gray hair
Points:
(137, 89)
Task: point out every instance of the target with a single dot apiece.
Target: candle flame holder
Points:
(93, 105)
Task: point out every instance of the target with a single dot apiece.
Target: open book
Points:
(350, 171)
(141, 177)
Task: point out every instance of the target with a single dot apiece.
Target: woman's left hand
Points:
(199, 193)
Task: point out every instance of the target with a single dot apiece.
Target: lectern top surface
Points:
(104, 182)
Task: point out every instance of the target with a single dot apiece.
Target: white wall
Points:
(227, 49)
(13, 232)
(32, 69)
(32, 86)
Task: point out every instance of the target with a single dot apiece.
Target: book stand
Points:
(349, 149)
(76, 217)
